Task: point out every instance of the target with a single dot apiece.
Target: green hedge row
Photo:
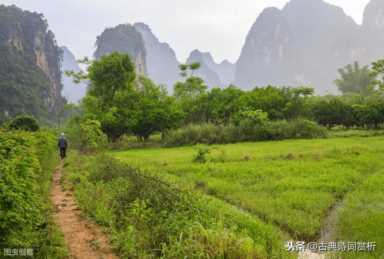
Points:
(26, 166)
(271, 130)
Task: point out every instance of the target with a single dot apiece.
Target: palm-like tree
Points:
(355, 79)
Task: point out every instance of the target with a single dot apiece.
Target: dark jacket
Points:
(62, 143)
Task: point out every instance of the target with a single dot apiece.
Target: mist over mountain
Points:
(123, 38)
(30, 75)
(162, 64)
(214, 74)
(206, 70)
(373, 27)
(306, 43)
(71, 91)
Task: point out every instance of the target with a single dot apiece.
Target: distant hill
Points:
(206, 70)
(214, 74)
(123, 38)
(306, 43)
(71, 91)
(160, 61)
(162, 64)
(30, 76)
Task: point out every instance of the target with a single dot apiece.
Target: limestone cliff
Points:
(306, 43)
(30, 74)
(123, 38)
(207, 69)
(162, 64)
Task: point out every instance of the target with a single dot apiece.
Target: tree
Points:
(187, 70)
(124, 104)
(333, 112)
(223, 104)
(156, 111)
(378, 74)
(24, 122)
(355, 79)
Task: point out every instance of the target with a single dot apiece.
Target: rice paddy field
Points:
(321, 190)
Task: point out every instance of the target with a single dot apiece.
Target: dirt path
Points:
(84, 239)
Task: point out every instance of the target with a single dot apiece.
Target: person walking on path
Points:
(63, 144)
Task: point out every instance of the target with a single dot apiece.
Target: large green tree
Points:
(124, 103)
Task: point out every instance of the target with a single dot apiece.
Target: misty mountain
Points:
(162, 64)
(206, 71)
(123, 38)
(373, 27)
(30, 75)
(215, 74)
(306, 43)
(71, 91)
(226, 71)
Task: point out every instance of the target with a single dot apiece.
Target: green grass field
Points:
(293, 184)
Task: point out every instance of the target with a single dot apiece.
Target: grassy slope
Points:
(290, 183)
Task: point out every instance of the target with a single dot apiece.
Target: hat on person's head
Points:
(62, 134)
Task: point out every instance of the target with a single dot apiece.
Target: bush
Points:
(201, 155)
(26, 165)
(195, 134)
(91, 136)
(86, 135)
(270, 130)
(24, 122)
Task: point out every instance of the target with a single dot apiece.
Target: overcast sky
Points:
(217, 26)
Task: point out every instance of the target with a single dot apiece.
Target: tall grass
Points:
(292, 184)
(151, 216)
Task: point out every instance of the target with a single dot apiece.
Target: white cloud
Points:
(218, 26)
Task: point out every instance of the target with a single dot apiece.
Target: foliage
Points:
(27, 123)
(201, 155)
(250, 118)
(26, 164)
(91, 136)
(365, 112)
(355, 79)
(268, 130)
(378, 73)
(187, 70)
(123, 103)
(25, 88)
(156, 112)
(333, 112)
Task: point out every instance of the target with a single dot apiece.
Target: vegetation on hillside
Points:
(26, 46)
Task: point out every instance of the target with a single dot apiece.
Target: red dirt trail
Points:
(84, 239)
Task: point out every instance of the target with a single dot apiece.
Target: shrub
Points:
(201, 155)
(268, 130)
(26, 165)
(24, 122)
(86, 135)
(195, 134)
(91, 135)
